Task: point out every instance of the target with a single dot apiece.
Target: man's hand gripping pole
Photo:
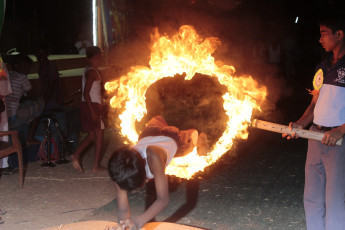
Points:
(273, 127)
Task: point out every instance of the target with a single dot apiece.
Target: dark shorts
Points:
(157, 126)
(87, 124)
(27, 111)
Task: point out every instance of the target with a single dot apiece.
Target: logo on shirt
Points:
(318, 80)
(341, 76)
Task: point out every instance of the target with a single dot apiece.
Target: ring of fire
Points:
(186, 52)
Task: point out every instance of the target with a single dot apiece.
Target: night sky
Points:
(53, 22)
(239, 24)
(58, 22)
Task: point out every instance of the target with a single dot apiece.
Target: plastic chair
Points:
(6, 149)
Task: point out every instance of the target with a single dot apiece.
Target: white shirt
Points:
(330, 106)
(164, 142)
(95, 91)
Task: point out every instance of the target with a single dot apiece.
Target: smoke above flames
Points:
(241, 33)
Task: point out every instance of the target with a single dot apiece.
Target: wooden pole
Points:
(285, 129)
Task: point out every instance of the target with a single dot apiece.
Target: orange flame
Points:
(187, 53)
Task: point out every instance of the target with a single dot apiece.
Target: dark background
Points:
(239, 24)
(28, 22)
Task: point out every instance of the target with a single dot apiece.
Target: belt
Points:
(324, 128)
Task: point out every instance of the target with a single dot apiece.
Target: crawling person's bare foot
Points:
(76, 164)
(99, 169)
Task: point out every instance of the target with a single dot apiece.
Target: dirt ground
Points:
(258, 185)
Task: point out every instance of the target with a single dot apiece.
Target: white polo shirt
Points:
(330, 107)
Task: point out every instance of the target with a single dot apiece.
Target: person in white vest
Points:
(91, 111)
(130, 168)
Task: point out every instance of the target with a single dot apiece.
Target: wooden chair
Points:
(7, 148)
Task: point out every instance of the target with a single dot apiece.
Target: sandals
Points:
(9, 171)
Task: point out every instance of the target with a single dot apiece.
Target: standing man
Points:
(49, 78)
(324, 192)
(91, 111)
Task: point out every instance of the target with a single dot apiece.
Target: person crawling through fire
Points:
(131, 168)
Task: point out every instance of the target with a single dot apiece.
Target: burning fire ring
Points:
(187, 53)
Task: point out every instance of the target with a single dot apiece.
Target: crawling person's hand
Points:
(127, 225)
(123, 225)
(117, 227)
(120, 226)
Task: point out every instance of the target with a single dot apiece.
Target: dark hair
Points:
(127, 168)
(92, 51)
(333, 20)
(17, 59)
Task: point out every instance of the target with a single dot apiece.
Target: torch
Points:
(285, 129)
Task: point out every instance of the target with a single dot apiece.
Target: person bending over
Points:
(131, 168)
